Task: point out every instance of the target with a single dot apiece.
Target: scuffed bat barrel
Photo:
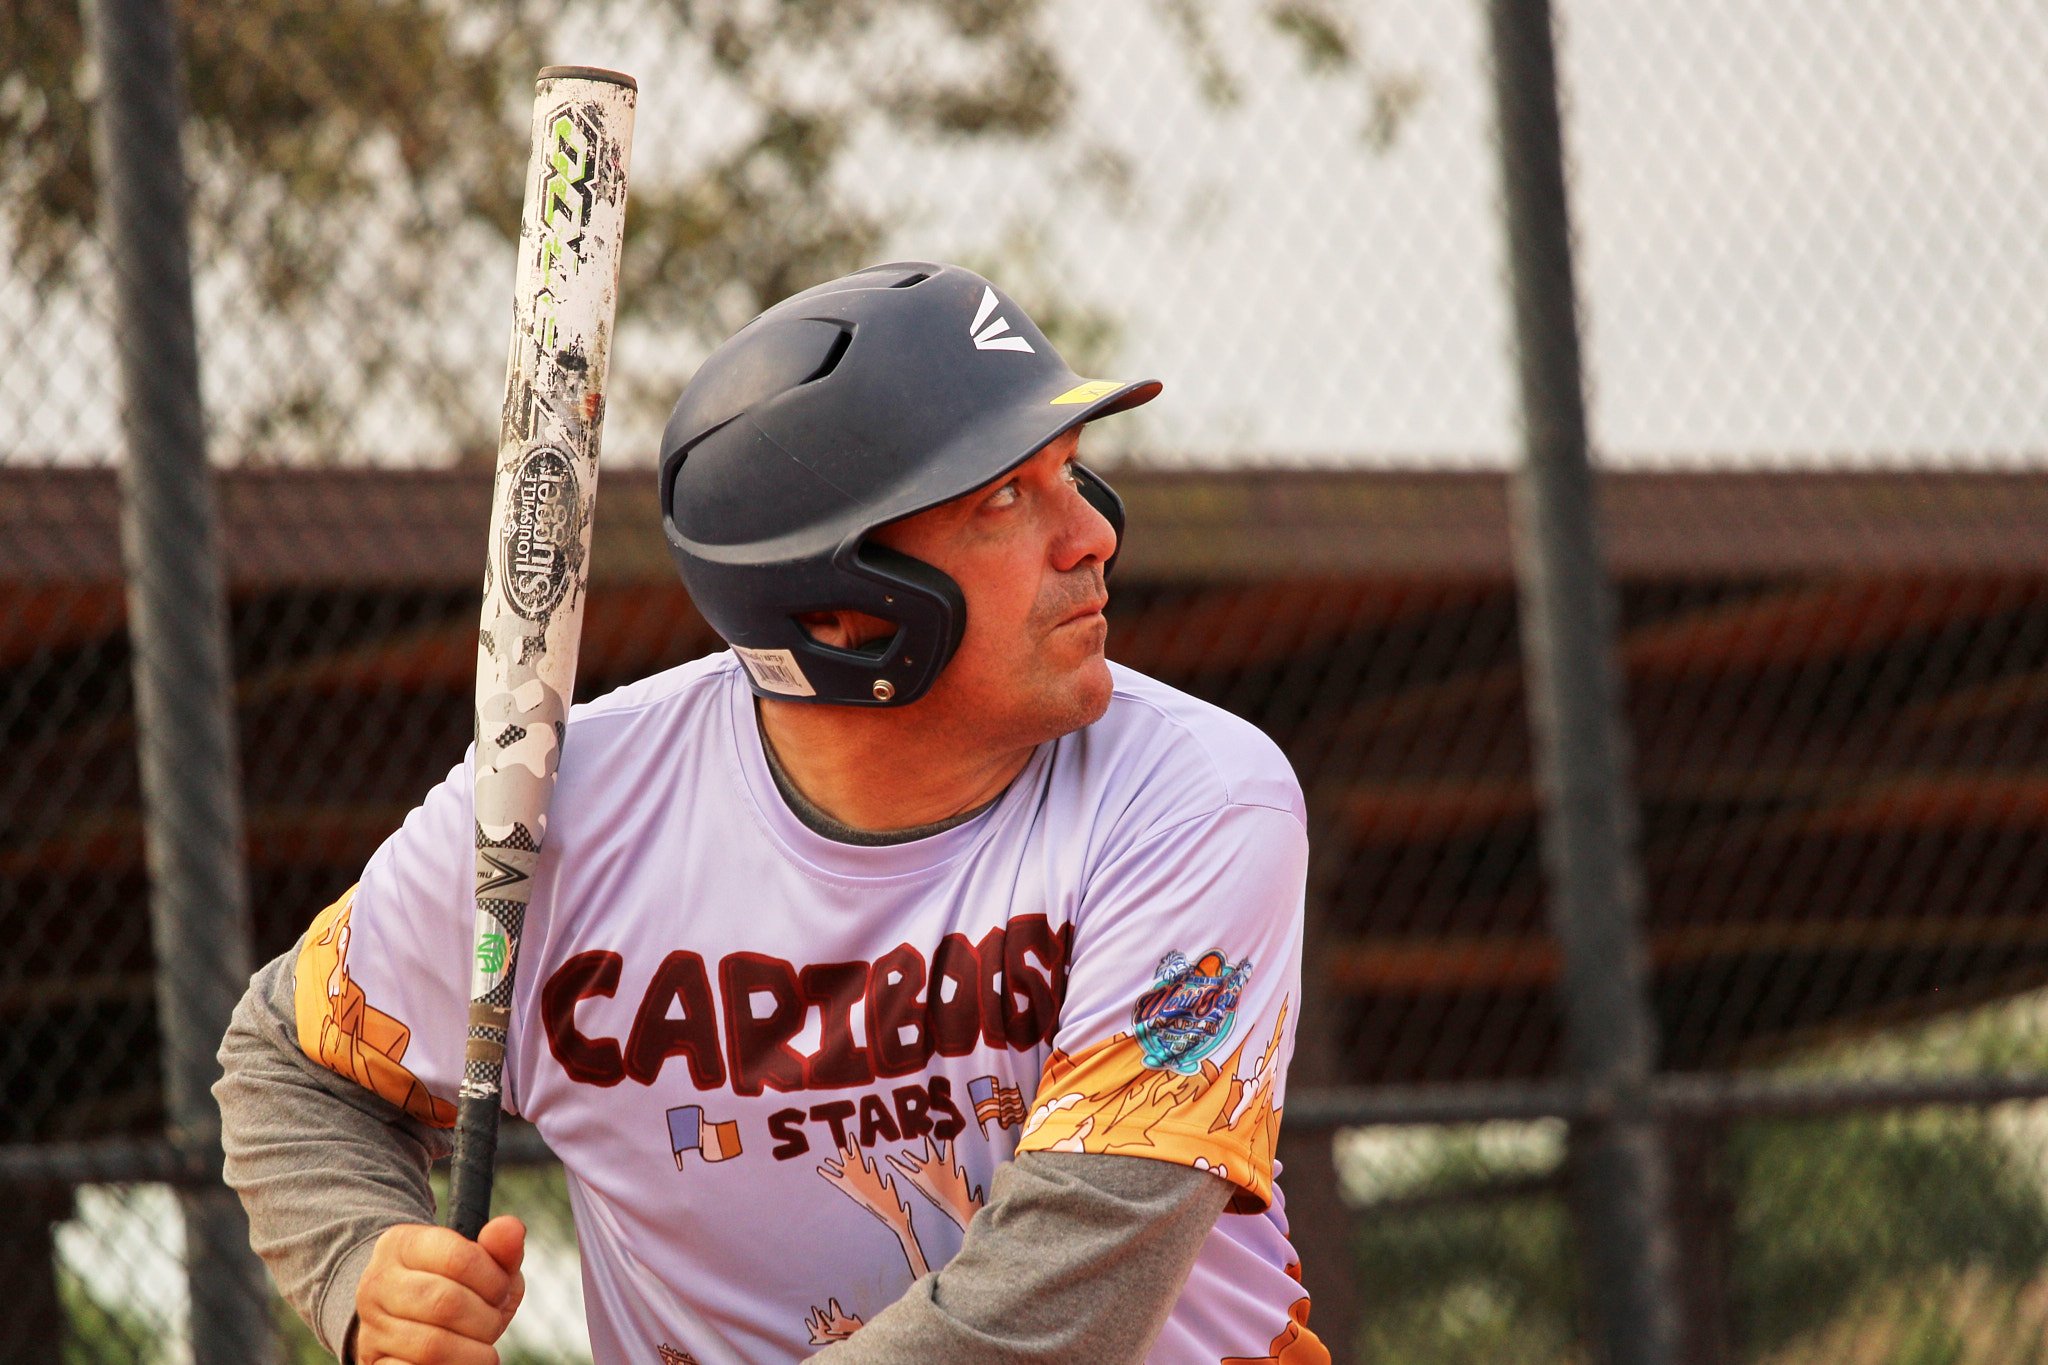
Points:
(537, 570)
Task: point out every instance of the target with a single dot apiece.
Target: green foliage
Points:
(1468, 1285)
(1832, 1213)
(1318, 30)
(296, 1343)
(102, 1334)
(302, 114)
(1930, 1339)
(1452, 1275)
(1867, 1227)
(410, 115)
(327, 143)
(1327, 40)
(292, 106)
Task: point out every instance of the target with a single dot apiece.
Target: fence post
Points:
(1620, 1172)
(177, 621)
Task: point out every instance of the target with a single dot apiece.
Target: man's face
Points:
(1027, 551)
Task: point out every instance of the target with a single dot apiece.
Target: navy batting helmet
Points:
(847, 406)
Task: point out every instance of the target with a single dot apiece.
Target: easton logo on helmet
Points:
(997, 335)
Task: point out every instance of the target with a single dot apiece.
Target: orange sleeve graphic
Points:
(342, 1031)
(1295, 1345)
(1220, 1119)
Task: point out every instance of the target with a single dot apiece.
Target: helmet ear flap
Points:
(930, 613)
(1103, 499)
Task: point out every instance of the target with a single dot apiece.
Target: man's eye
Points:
(1003, 496)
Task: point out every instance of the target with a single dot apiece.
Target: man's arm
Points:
(323, 1166)
(1076, 1257)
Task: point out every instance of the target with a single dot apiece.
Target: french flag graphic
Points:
(688, 1131)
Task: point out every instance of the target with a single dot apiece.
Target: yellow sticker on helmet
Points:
(1088, 392)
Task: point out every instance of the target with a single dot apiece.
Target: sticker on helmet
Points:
(775, 670)
(1087, 393)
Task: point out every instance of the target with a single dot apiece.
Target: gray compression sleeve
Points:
(1076, 1257)
(322, 1165)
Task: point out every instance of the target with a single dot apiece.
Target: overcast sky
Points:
(1805, 231)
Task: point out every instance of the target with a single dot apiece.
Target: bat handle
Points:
(476, 1163)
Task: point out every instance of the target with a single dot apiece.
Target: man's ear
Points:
(845, 629)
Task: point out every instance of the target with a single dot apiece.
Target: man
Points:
(907, 984)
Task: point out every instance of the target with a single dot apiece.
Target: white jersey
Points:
(780, 1070)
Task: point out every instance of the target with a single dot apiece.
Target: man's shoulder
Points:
(686, 687)
(1189, 756)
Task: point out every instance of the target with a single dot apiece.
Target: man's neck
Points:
(884, 770)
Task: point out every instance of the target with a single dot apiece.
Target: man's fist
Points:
(433, 1297)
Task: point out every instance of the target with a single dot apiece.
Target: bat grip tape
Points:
(475, 1164)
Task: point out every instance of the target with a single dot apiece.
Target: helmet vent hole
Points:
(832, 358)
(909, 280)
(854, 634)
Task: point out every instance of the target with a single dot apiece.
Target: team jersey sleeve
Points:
(382, 987)
(1179, 1012)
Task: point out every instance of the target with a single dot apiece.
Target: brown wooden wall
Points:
(1837, 685)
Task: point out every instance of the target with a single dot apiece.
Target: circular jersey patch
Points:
(1189, 1013)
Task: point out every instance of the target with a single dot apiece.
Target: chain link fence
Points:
(1811, 293)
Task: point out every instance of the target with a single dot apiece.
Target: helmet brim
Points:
(996, 446)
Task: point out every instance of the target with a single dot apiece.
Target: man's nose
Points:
(1085, 536)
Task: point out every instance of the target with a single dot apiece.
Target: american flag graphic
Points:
(996, 1103)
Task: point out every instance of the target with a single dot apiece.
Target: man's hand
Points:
(433, 1297)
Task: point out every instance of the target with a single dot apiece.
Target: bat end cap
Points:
(586, 73)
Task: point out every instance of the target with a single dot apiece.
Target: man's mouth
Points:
(1086, 612)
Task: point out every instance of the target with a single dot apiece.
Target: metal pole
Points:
(1620, 1170)
(35, 1325)
(177, 617)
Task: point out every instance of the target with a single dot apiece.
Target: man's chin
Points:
(1088, 694)
(1040, 703)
